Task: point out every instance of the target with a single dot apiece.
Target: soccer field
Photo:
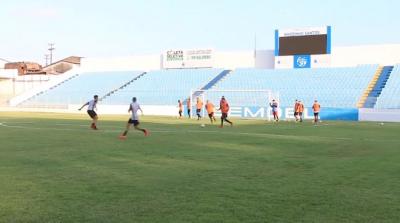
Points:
(53, 168)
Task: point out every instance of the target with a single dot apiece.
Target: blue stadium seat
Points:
(333, 87)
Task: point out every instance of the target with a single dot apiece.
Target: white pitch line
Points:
(174, 131)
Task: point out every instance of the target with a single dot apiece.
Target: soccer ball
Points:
(202, 125)
(382, 123)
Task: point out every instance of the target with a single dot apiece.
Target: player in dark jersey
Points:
(180, 107)
(274, 106)
(189, 106)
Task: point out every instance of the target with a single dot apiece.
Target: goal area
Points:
(236, 98)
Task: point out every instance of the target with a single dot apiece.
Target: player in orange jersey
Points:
(224, 107)
(210, 110)
(316, 108)
(300, 110)
(199, 106)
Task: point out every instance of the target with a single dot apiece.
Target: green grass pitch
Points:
(53, 168)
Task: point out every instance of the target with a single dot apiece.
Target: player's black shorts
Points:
(91, 113)
(198, 111)
(224, 115)
(134, 122)
(316, 113)
(296, 113)
(211, 114)
(300, 113)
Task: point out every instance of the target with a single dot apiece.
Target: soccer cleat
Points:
(122, 137)
(220, 126)
(146, 132)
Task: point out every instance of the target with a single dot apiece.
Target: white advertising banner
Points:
(194, 58)
(284, 62)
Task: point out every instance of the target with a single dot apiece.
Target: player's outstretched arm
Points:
(141, 111)
(87, 103)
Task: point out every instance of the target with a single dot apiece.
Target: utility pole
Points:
(46, 57)
(51, 49)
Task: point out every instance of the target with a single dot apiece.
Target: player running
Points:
(316, 108)
(301, 110)
(90, 110)
(274, 106)
(189, 106)
(224, 107)
(210, 110)
(199, 105)
(180, 106)
(134, 107)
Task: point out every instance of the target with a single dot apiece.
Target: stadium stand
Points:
(390, 96)
(164, 87)
(333, 87)
(82, 87)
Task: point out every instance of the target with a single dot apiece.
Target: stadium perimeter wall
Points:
(379, 115)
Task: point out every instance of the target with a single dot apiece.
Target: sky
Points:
(109, 28)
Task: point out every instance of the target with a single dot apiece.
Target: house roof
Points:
(71, 59)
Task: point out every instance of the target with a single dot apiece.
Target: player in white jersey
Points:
(134, 107)
(90, 110)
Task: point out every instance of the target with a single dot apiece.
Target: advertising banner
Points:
(345, 114)
(194, 58)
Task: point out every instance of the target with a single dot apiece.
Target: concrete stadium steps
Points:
(122, 86)
(165, 87)
(50, 88)
(211, 84)
(370, 86)
(390, 95)
(374, 89)
(82, 87)
(379, 85)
